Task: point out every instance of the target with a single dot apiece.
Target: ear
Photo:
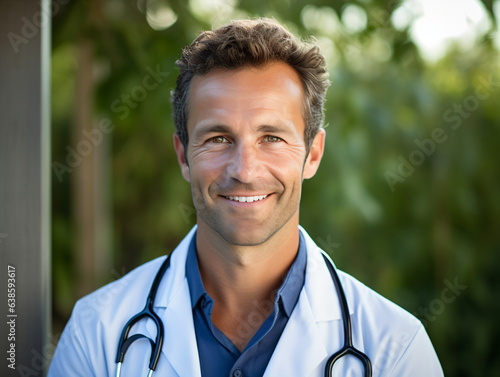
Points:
(315, 154)
(181, 158)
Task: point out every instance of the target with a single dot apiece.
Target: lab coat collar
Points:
(173, 301)
(317, 303)
(319, 287)
(176, 274)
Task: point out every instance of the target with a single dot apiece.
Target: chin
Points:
(241, 235)
(244, 232)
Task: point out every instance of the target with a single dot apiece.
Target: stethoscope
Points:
(148, 312)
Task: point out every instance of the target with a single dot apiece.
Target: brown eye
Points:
(218, 139)
(272, 139)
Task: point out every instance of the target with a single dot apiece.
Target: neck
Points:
(242, 280)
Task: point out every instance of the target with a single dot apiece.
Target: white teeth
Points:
(246, 199)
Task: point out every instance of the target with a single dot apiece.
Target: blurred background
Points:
(406, 199)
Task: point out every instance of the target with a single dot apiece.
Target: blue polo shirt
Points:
(218, 355)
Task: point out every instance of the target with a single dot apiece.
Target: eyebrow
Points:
(267, 128)
(220, 128)
(216, 128)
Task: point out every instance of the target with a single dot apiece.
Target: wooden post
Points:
(90, 182)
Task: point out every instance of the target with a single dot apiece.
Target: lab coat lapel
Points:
(179, 346)
(304, 345)
(319, 286)
(300, 349)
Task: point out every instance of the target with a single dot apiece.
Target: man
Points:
(247, 292)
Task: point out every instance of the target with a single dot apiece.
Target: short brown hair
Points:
(254, 43)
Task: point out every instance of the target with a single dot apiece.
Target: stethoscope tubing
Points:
(147, 312)
(156, 346)
(348, 347)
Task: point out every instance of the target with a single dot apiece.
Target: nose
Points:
(244, 165)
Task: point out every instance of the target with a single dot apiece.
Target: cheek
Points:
(288, 170)
(292, 154)
(205, 171)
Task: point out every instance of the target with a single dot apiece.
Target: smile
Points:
(246, 199)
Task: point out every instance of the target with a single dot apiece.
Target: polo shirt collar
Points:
(287, 294)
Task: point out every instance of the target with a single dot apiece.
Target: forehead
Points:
(276, 83)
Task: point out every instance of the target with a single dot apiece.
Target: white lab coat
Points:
(393, 339)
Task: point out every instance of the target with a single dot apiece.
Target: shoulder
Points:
(395, 339)
(125, 294)
(365, 305)
(367, 302)
(87, 345)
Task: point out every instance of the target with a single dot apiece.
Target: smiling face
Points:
(246, 155)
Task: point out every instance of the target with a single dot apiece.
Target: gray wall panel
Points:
(24, 183)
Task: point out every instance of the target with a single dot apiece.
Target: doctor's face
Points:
(246, 156)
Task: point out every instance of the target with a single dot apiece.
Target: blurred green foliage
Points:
(407, 238)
